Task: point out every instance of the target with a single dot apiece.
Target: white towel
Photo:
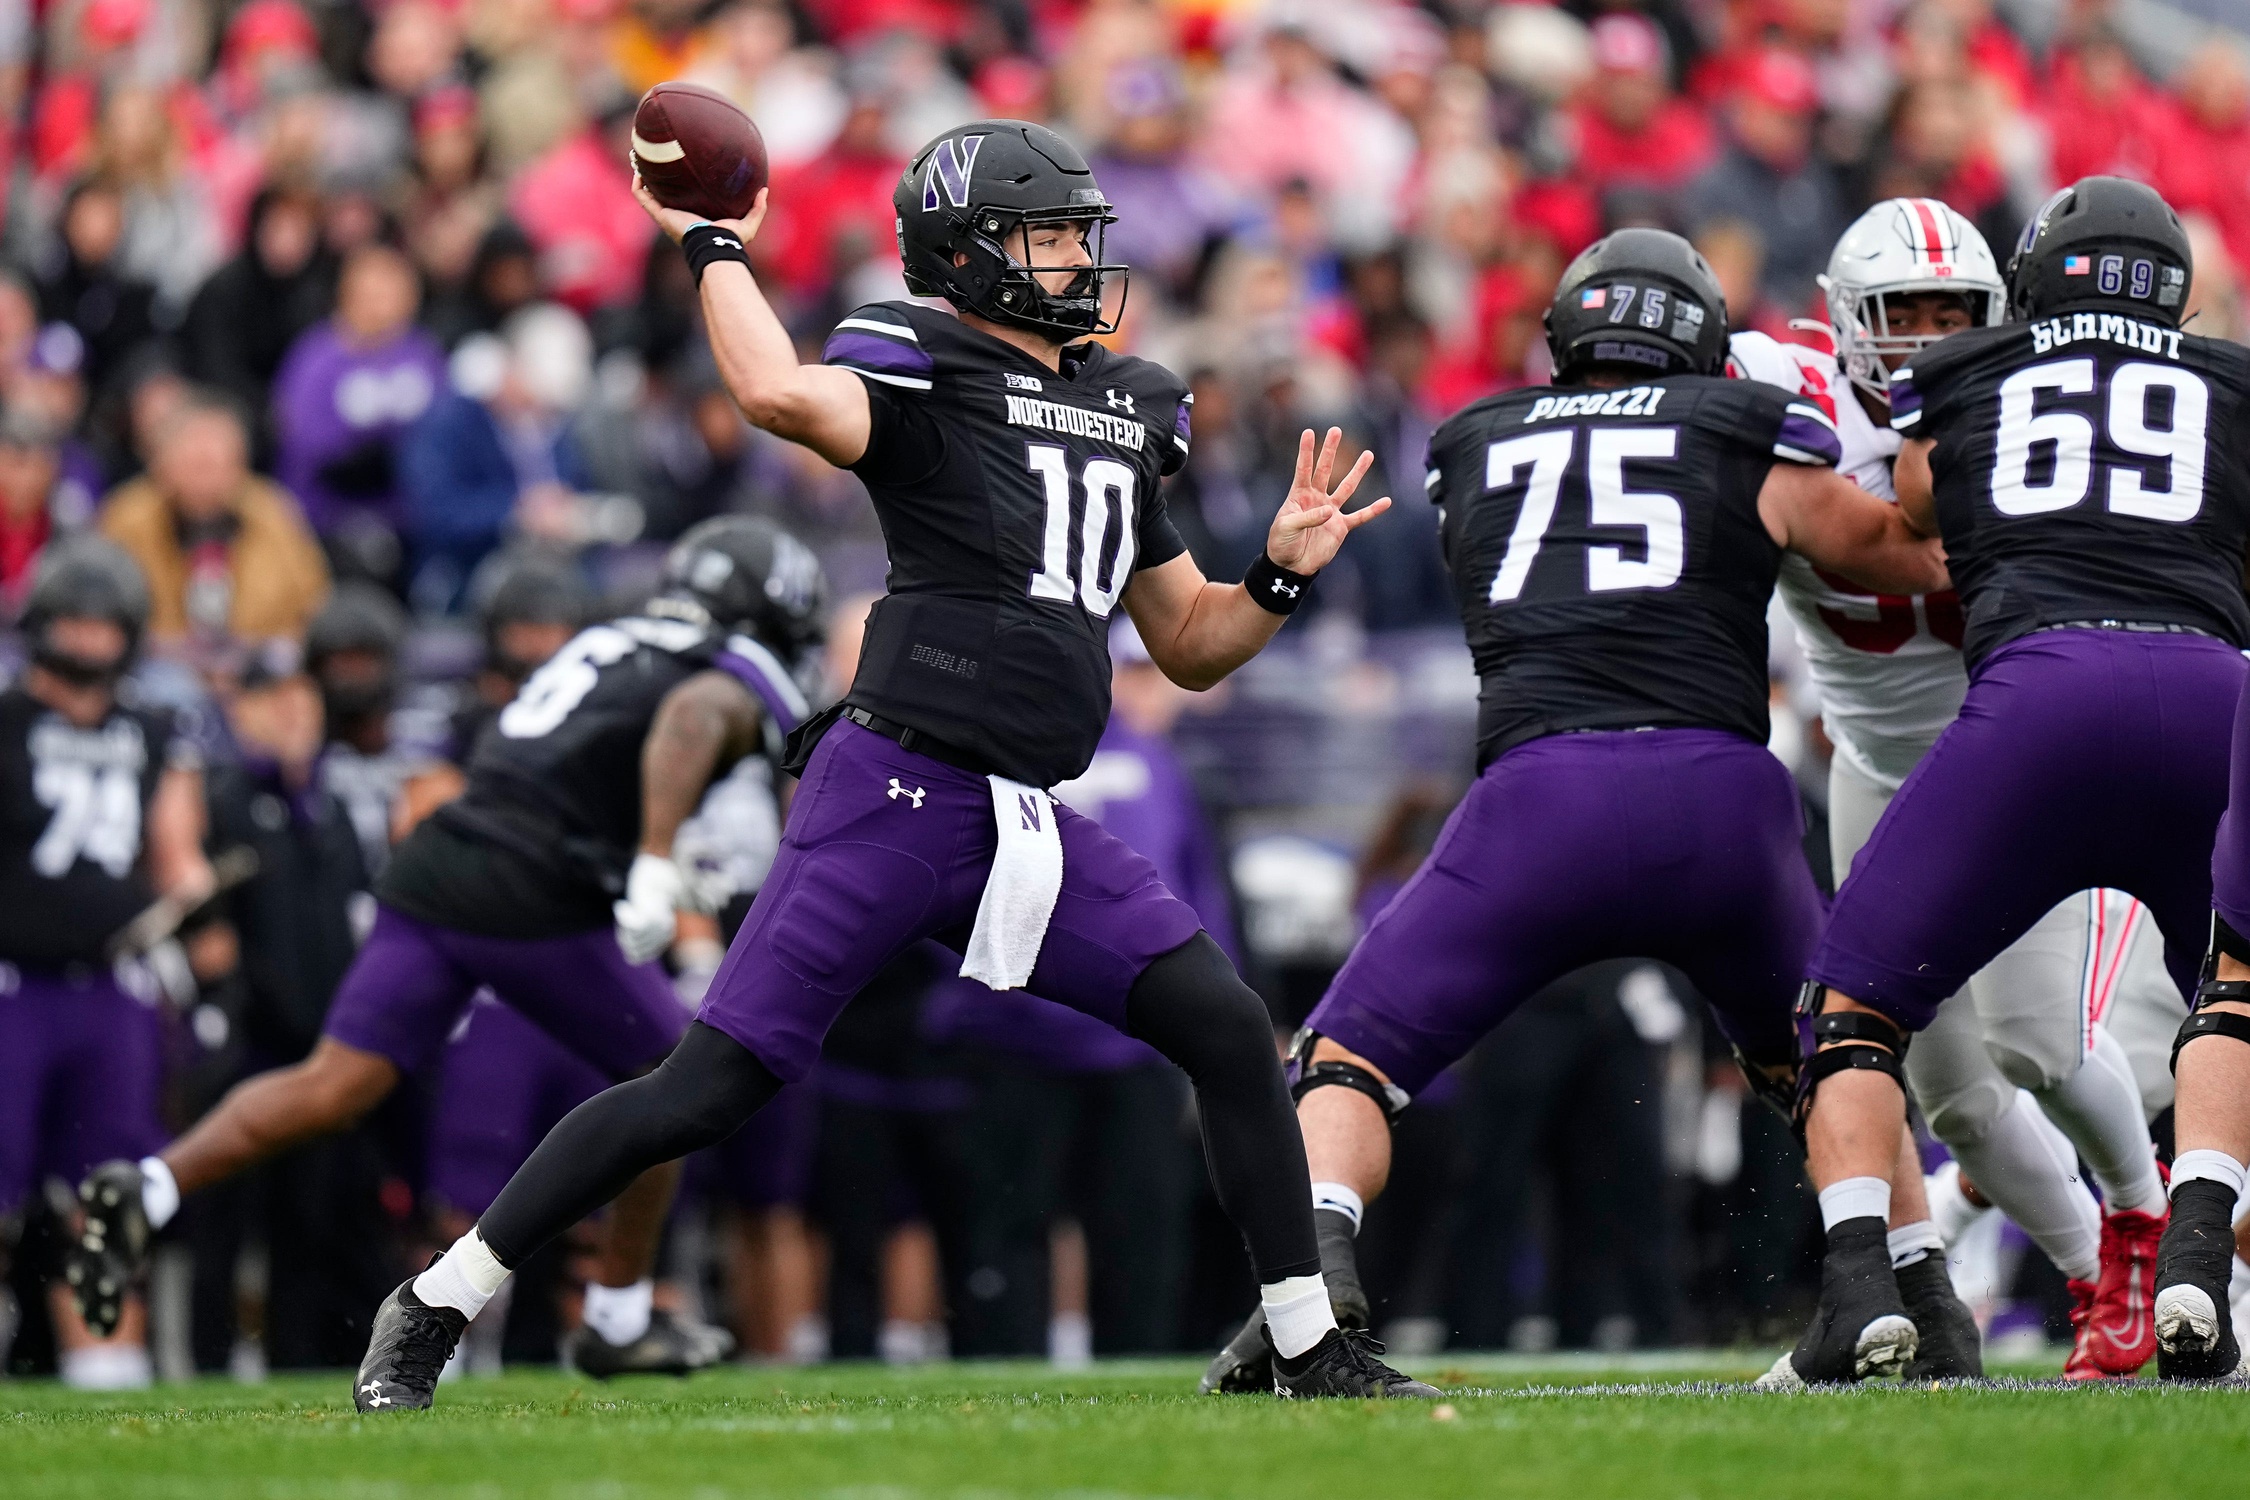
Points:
(1019, 894)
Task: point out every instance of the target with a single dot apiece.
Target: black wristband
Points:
(1274, 588)
(706, 243)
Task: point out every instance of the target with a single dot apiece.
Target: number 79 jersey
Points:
(1606, 546)
(73, 824)
(1016, 502)
(2088, 467)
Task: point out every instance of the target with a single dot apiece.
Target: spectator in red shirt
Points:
(835, 210)
(577, 204)
(2212, 173)
(1631, 128)
(2103, 117)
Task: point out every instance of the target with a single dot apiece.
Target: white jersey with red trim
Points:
(1888, 666)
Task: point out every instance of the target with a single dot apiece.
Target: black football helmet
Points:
(528, 588)
(743, 573)
(2103, 243)
(85, 578)
(359, 618)
(967, 192)
(1643, 299)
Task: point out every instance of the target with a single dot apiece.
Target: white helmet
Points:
(1903, 245)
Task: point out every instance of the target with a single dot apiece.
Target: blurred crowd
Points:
(338, 310)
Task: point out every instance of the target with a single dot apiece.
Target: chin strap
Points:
(1334, 1073)
(1861, 1040)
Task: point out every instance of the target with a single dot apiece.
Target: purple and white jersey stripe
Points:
(749, 662)
(872, 345)
(1906, 401)
(1808, 436)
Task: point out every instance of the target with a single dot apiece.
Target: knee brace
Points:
(1865, 1041)
(2200, 1022)
(1333, 1073)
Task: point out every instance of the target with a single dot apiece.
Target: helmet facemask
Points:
(1006, 287)
(1860, 316)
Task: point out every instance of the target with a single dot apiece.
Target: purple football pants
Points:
(81, 1075)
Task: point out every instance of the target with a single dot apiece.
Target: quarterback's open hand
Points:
(676, 222)
(1312, 525)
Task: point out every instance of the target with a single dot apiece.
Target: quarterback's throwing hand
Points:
(676, 222)
(1312, 525)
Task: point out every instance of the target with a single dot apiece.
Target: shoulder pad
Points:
(882, 341)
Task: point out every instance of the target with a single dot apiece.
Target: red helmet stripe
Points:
(1933, 245)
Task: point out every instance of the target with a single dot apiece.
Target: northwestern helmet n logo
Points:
(951, 161)
(1027, 804)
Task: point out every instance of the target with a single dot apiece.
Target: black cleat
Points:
(2194, 1330)
(1861, 1327)
(1950, 1346)
(1245, 1365)
(105, 1260)
(669, 1347)
(1343, 1363)
(406, 1353)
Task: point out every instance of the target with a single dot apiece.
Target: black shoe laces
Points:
(1356, 1350)
(421, 1354)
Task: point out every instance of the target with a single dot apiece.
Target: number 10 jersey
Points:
(1606, 546)
(2089, 467)
(1016, 504)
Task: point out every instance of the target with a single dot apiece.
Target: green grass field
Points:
(1577, 1431)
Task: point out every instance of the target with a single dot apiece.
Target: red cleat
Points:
(2115, 1318)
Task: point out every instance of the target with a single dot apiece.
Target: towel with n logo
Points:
(1019, 894)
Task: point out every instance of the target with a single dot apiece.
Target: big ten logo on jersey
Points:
(1538, 463)
(2155, 417)
(90, 780)
(1880, 624)
(546, 700)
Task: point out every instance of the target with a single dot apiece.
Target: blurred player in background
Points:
(2088, 467)
(1614, 541)
(517, 886)
(101, 810)
(1910, 272)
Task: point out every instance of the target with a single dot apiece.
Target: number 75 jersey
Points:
(1017, 502)
(1606, 547)
(2088, 467)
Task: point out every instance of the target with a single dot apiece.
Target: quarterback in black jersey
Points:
(550, 881)
(1614, 541)
(101, 810)
(2088, 466)
(1014, 469)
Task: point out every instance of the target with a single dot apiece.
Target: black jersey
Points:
(73, 818)
(540, 841)
(1016, 504)
(1606, 545)
(2088, 467)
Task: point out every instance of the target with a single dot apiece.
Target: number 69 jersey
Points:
(1016, 502)
(2087, 467)
(73, 819)
(1606, 546)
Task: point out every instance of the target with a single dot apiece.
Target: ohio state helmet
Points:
(1904, 245)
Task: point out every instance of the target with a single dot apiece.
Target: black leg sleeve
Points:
(1191, 1006)
(700, 1096)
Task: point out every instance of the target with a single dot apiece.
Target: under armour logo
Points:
(373, 1391)
(1285, 588)
(915, 796)
(724, 243)
(1120, 401)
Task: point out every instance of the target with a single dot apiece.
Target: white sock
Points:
(1297, 1313)
(1913, 1242)
(1337, 1198)
(2028, 1170)
(106, 1367)
(2099, 1108)
(464, 1278)
(160, 1192)
(1855, 1198)
(1950, 1208)
(620, 1313)
(2207, 1166)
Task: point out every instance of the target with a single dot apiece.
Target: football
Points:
(697, 151)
